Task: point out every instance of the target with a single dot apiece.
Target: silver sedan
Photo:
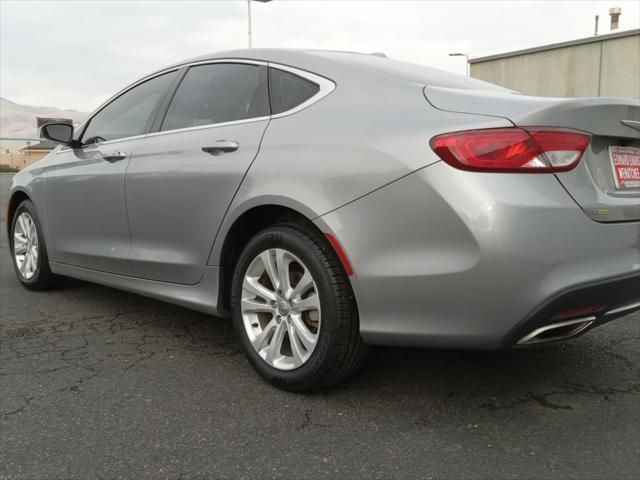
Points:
(328, 201)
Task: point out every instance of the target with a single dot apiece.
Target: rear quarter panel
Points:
(446, 258)
(364, 135)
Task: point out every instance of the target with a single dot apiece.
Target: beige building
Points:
(18, 154)
(599, 66)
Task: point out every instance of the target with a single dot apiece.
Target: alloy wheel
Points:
(25, 245)
(280, 309)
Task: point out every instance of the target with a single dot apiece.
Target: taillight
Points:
(517, 150)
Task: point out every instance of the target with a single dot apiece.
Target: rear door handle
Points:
(220, 147)
(114, 156)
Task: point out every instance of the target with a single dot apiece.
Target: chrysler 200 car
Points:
(328, 201)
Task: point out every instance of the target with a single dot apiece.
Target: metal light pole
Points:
(249, 18)
(462, 55)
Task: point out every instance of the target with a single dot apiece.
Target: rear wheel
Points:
(29, 251)
(293, 309)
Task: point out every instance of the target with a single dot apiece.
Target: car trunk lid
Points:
(614, 124)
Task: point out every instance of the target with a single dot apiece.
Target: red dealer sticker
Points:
(626, 166)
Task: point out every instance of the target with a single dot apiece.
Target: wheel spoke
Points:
(310, 303)
(302, 286)
(32, 264)
(19, 247)
(23, 266)
(270, 268)
(275, 344)
(250, 305)
(307, 338)
(282, 265)
(20, 224)
(29, 224)
(251, 285)
(299, 353)
(260, 338)
(20, 237)
(30, 228)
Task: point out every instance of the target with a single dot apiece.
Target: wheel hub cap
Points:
(280, 309)
(283, 307)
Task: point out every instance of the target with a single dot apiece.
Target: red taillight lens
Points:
(534, 150)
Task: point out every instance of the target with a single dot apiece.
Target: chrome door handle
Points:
(220, 147)
(114, 156)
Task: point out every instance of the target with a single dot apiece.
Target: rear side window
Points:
(130, 114)
(287, 90)
(215, 93)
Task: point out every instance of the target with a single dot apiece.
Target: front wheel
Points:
(293, 309)
(29, 251)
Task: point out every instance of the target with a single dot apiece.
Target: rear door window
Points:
(216, 93)
(287, 90)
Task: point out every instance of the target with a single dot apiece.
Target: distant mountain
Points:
(20, 120)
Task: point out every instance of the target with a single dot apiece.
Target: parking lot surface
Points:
(100, 383)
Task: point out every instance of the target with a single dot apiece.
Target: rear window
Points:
(287, 90)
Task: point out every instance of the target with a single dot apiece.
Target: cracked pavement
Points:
(95, 382)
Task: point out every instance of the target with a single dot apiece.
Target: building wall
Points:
(621, 67)
(14, 145)
(608, 67)
(14, 154)
(23, 159)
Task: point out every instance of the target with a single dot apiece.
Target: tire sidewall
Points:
(28, 207)
(289, 239)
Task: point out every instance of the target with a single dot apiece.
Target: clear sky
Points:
(75, 54)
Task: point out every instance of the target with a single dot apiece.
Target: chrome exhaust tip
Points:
(557, 331)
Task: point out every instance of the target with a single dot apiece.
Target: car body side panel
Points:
(201, 297)
(85, 206)
(350, 143)
(177, 196)
(447, 258)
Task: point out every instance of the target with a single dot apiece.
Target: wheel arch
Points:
(243, 228)
(16, 199)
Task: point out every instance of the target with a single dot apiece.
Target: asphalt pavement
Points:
(98, 383)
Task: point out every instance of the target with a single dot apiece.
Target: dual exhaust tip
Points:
(565, 329)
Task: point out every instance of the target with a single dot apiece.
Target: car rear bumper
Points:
(577, 310)
(445, 258)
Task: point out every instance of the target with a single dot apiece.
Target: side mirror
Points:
(59, 133)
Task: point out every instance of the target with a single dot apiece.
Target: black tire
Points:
(339, 351)
(43, 278)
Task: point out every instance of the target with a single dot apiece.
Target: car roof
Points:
(337, 64)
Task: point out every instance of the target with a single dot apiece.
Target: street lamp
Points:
(249, 17)
(462, 55)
